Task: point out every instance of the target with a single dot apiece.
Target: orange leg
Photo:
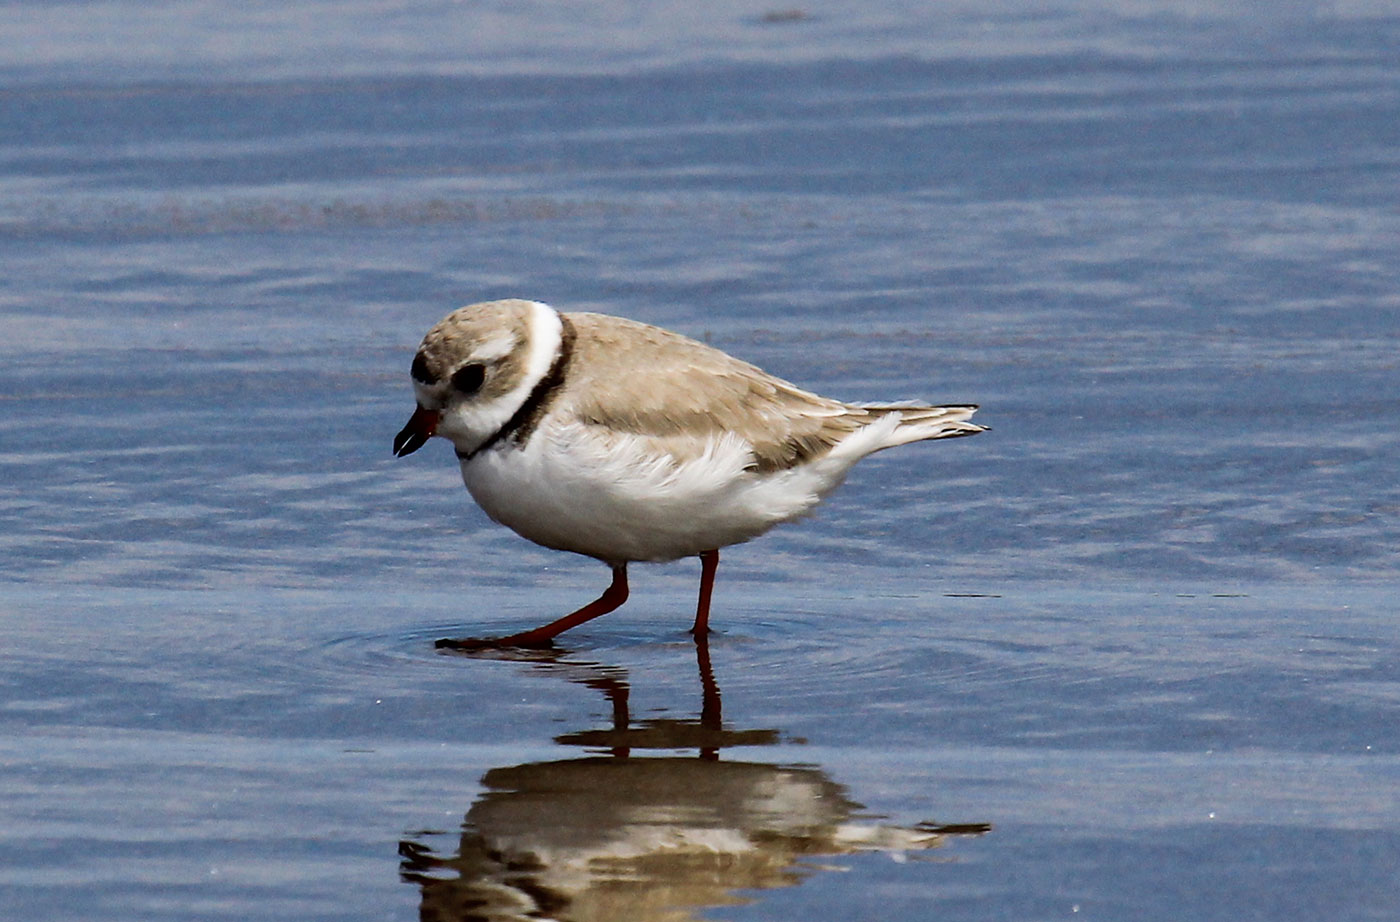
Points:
(709, 562)
(612, 597)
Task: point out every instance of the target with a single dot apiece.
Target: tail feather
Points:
(919, 423)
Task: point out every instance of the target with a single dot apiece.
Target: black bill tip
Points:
(415, 434)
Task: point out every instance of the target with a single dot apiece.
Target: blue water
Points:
(1132, 654)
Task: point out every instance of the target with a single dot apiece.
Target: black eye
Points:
(469, 377)
(420, 370)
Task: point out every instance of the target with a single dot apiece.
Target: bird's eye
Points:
(468, 378)
(420, 371)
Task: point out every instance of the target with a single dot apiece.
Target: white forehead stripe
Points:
(497, 347)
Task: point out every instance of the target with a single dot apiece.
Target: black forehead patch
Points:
(420, 370)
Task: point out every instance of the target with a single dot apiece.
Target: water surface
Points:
(1131, 654)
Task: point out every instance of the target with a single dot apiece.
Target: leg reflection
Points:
(707, 734)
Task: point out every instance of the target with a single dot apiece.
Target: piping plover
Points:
(626, 442)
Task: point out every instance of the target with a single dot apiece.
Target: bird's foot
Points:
(513, 642)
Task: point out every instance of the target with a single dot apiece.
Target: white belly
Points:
(623, 500)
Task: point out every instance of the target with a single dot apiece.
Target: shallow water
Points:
(1131, 654)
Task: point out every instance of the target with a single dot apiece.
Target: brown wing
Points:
(643, 380)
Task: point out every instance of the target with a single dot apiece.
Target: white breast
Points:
(617, 498)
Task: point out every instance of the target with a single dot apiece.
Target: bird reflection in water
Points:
(617, 836)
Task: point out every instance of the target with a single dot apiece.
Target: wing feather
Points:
(633, 378)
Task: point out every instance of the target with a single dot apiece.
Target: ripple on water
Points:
(1028, 668)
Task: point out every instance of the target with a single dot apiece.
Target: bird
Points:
(626, 442)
